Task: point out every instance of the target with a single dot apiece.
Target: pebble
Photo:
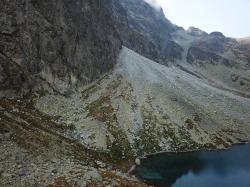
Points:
(19, 166)
(101, 164)
(22, 173)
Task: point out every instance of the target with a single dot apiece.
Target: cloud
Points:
(154, 3)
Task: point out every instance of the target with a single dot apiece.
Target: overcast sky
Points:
(231, 17)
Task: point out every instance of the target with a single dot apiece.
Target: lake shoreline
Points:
(192, 151)
(218, 167)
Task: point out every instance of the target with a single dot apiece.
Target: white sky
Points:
(231, 17)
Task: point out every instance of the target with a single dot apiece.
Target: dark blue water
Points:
(228, 168)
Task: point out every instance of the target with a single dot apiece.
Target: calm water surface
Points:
(228, 168)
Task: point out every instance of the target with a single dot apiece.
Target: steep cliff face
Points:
(57, 45)
(144, 29)
(62, 45)
(242, 49)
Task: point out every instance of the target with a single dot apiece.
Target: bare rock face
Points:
(58, 45)
(242, 49)
(144, 29)
(196, 31)
(221, 60)
(196, 54)
(215, 42)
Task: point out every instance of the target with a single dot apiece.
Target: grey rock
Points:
(57, 46)
(23, 173)
(93, 174)
(196, 32)
(217, 34)
(19, 166)
(144, 29)
(100, 164)
(196, 54)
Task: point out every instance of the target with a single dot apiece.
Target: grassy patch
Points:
(102, 110)
(149, 135)
(155, 128)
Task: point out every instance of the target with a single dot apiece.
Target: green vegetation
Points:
(102, 110)
(149, 135)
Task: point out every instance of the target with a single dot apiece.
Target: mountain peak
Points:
(196, 31)
(217, 34)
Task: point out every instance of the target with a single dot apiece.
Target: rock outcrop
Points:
(242, 49)
(58, 45)
(196, 31)
(144, 29)
(216, 58)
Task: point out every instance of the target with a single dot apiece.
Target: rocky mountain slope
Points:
(139, 107)
(87, 86)
(35, 151)
(215, 58)
(144, 29)
(144, 107)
